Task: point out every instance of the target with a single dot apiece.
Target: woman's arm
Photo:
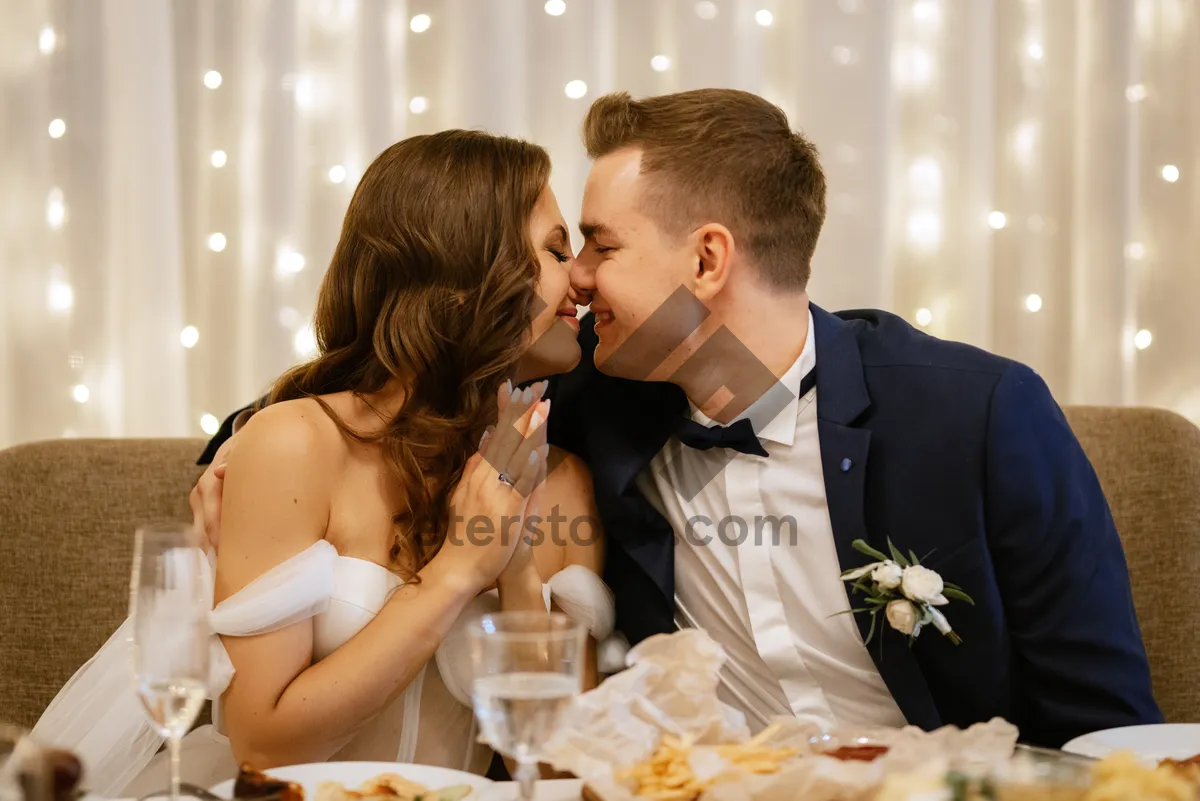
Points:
(573, 502)
(570, 534)
(280, 708)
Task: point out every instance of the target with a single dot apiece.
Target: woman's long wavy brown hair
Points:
(432, 283)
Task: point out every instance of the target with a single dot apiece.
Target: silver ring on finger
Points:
(504, 478)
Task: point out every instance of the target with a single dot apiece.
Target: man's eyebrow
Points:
(591, 230)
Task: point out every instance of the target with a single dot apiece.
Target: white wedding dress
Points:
(98, 716)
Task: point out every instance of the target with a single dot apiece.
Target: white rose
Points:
(887, 575)
(902, 615)
(922, 585)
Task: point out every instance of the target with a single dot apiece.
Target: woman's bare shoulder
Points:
(294, 429)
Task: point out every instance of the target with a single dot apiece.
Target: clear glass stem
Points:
(173, 744)
(527, 776)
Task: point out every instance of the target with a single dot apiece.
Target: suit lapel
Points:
(845, 449)
(645, 413)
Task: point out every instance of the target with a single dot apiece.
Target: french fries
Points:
(667, 774)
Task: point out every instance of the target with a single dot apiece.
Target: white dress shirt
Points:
(770, 593)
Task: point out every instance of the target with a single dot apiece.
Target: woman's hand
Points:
(489, 506)
(205, 498)
(521, 571)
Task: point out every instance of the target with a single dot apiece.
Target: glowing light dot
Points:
(212, 79)
(1142, 339)
(60, 295)
(56, 209)
(925, 177)
(997, 220)
(764, 18)
(47, 40)
(337, 173)
(304, 92)
(925, 229)
(216, 242)
(1135, 93)
(1035, 51)
(418, 105)
(1025, 141)
(305, 342)
(1170, 173)
(924, 317)
(209, 424)
(706, 10)
(926, 11)
(189, 336)
(912, 66)
(576, 89)
(57, 128)
(1135, 250)
(1033, 303)
(420, 23)
(218, 158)
(289, 262)
(844, 56)
(660, 63)
(555, 8)
(80, 393)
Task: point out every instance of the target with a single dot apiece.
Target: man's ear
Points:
(714, 249)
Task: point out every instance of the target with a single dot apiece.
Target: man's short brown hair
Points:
(722, 155)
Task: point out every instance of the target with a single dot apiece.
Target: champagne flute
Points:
(527, 667)
(169, 602)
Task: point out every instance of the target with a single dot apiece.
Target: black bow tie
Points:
(738, 435)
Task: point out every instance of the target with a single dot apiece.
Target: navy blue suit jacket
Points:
(951, 451)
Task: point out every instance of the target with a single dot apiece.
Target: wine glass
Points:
(527, 667)
(169, 602)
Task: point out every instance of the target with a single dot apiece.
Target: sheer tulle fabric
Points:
(97, 713)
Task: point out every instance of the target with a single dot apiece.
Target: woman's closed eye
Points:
(562, 256)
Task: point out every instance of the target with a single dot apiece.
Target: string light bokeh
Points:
(1016, 174)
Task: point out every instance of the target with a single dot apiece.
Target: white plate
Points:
(1156, 742)
(354, 774)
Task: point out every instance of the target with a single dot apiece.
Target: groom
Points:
(741, 440)
(719, 398)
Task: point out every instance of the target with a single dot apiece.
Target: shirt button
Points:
(846, 465)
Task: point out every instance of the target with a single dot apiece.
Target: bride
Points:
(351, 554)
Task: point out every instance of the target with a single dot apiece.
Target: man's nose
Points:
(583, 282)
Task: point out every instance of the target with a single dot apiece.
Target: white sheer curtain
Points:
(1018, 174)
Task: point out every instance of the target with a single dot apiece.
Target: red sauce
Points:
(858, 753)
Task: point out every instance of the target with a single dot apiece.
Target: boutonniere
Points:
(907, 593)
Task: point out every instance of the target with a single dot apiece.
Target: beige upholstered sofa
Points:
(68, 509)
